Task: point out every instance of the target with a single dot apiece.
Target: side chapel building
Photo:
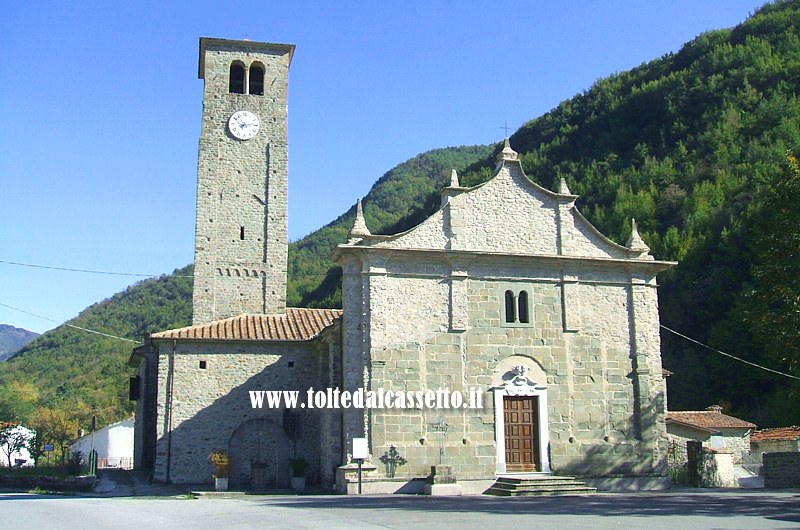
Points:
(507, 288)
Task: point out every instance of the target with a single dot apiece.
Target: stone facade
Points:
(425, 310)
(242, 185)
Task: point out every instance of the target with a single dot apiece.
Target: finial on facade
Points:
(454, 179)
(563, 189)
(635, 242)
(360, 225)
(507, 154)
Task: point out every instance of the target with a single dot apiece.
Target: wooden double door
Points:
(521, 419)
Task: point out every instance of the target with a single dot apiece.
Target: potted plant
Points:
(299, 467)
(222, 467)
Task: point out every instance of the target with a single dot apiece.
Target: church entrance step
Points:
(523, 486)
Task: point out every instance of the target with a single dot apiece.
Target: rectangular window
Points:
(292, 424)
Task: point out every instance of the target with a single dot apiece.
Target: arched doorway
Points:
(521, 425)
(260, 453)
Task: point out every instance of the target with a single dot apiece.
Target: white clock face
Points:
(243, 124)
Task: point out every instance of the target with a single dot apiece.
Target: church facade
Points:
(506, 298)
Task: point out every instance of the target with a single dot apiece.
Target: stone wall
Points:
(715, 470)
(204, 405)
(775, 446)
(781, 470)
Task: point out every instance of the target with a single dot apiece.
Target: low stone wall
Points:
(67, 484)
(781, 470)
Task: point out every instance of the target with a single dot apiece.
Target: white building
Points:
(113, 444)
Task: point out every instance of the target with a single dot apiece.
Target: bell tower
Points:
(242, 180)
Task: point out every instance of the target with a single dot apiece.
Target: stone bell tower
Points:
(242, 180)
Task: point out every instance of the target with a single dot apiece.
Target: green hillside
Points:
(693, 145)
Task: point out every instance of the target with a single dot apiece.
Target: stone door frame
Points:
(518, 384)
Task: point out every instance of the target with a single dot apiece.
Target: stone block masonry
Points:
(781, 470)
(242, 186)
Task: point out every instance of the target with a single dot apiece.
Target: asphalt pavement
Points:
(672, 510)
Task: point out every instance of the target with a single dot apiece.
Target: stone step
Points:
(552, 480)
(510, 486)
(539, 493)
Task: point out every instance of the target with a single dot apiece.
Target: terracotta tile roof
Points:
(708, 419)
(779, 433)
(298, 324)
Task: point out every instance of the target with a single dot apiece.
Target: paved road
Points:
(670, 510)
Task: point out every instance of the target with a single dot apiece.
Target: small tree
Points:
(56, 427)
(13, 438)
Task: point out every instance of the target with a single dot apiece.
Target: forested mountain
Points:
(12, 339)
(693, 145)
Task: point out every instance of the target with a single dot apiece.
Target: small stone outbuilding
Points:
(714, 429)
(777, 440)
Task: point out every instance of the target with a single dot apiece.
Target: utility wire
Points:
(69, 325)
(88, 271)
(729, 355)
(188, 276)
(140, 275)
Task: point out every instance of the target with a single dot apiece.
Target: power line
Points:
(87, 330)
(729, 355)
(136, 274)
(87, 271)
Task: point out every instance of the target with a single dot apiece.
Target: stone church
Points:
(506, 293)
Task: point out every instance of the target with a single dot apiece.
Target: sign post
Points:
(360, 453)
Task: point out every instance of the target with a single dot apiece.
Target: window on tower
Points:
(236, 85)
(256, 80)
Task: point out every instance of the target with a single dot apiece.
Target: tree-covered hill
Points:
(693, 145)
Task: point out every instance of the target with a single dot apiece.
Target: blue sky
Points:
(100, 109)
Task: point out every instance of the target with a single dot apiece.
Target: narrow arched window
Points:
(241, 233)
(236, 82)
(522, 305)
(256, 86)
(510, 307)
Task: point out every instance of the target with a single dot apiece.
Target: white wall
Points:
(112, 443)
